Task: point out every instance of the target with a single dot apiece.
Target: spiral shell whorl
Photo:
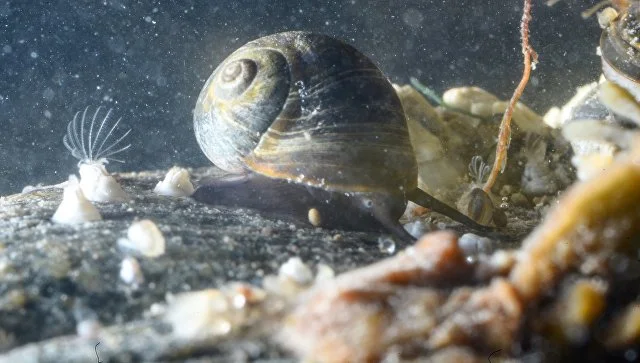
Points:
(620, 47)
(324, 116)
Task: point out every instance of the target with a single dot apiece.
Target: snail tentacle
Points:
(421, 198)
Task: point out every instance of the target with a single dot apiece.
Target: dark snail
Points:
(304, 121)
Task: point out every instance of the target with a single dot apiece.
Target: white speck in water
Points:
(34, 55)
(48, 94)
(413, 18)
(386, 245)
(631, 355)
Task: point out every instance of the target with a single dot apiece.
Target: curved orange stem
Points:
(504, 136)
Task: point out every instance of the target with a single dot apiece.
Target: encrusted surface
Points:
(572, 284)
(53, 276)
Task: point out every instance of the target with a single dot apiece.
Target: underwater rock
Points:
(576, 268)
(49, 270)
(459, 135)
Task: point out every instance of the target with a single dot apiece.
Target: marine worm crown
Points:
(89, 141)
(478, 169)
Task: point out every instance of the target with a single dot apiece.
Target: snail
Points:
(620, 53)
(601, 121)
(304, 121)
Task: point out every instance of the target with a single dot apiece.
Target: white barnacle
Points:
(145, 238)
(92, 144)
(296, 270)
(98, 185)
(131, 272)
(75, 208)
(175, 184)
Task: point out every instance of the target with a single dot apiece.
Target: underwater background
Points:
(149, 59)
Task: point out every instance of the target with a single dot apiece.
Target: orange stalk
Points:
(504, 137)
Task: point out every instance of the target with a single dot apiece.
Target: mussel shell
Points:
(480, 207)
(620, 50)
(316, 112)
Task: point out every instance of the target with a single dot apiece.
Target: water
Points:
(149, 60)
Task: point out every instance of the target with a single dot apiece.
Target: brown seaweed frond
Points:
(504, 136)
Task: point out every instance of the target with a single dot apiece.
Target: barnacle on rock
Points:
(475, 202)
(175, 184)
(90, 143)
(75, 208)
(145, 238)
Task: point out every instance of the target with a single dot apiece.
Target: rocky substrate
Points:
(57, 281)
(226, 288)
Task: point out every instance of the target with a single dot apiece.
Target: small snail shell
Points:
(620, 48)
(303, 121)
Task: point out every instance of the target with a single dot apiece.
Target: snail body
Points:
(301, 121)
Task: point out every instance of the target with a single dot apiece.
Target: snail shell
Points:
(308, 108)
(620, 48)
(305, 121)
